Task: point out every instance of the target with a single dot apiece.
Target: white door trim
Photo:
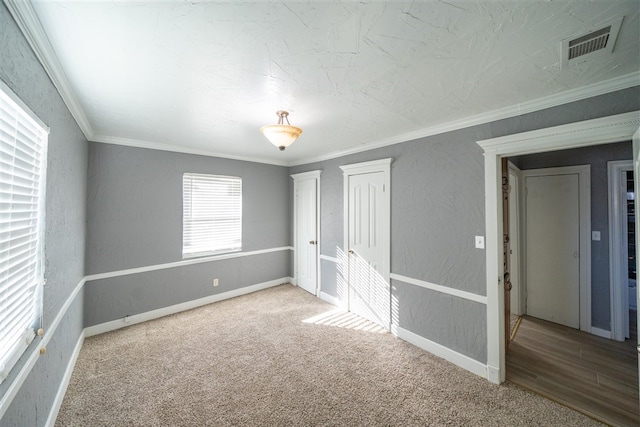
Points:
(617, 265)
(517, 292)
(584, 189)
(605, 130)
(382, 165)
(635, 141)
(297, 178)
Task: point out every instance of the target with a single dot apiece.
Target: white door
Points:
(553, 248)
(369, 292)
(306, 235)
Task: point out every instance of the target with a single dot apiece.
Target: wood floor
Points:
(593, 375)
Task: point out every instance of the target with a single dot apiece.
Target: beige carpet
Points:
(283, 357)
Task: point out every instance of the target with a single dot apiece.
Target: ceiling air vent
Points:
(584, 47)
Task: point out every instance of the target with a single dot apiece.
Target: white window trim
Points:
(33, 116)
(204, 253)
(29, 334)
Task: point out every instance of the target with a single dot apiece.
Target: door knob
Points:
(351, 251)
(313, 242)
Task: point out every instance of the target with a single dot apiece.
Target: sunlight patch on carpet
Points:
(343, 319)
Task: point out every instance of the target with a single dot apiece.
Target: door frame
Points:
(618, 268)
(297, 178)
(382, 165)
(635, 143)
(604, 130)
(584, 208)
(515, 233)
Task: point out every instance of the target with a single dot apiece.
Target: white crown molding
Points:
(572, 95)
(27, 19)
(179, 149)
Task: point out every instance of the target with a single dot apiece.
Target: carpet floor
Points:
(281, 357)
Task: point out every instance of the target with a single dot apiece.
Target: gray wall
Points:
(134, 208)
(597, 157)
(133, 218)
(65, 225)
(437, 206)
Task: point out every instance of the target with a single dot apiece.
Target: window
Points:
(23, 142)
(212, 214)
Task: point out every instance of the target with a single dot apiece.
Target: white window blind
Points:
(212, 214)
(23, 142)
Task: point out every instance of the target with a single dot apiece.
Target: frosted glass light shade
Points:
(281, 136)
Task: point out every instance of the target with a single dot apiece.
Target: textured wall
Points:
(134, 205)
(134, 210)
(597, 157)
(65, 224)
(437, 206)
(118, 297)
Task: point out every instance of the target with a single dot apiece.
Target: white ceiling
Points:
(205, 76)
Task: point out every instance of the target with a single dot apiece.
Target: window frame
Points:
(23, 114)
(189, 181)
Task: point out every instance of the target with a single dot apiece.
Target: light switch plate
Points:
(479, 242)
(595, 235)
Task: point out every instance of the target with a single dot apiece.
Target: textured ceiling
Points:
(204, 77)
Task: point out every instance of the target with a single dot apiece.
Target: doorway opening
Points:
(570, 366)
(632, 288)
(603, 130)
(622, 256)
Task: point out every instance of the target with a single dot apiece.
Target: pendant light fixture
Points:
(281, 135)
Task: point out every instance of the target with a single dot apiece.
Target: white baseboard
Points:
(62, 388)
(493, 375)
(439, 350)
(331, 299)
(165, 311)
(601, 333)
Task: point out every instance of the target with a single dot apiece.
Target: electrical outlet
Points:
(215, 282)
